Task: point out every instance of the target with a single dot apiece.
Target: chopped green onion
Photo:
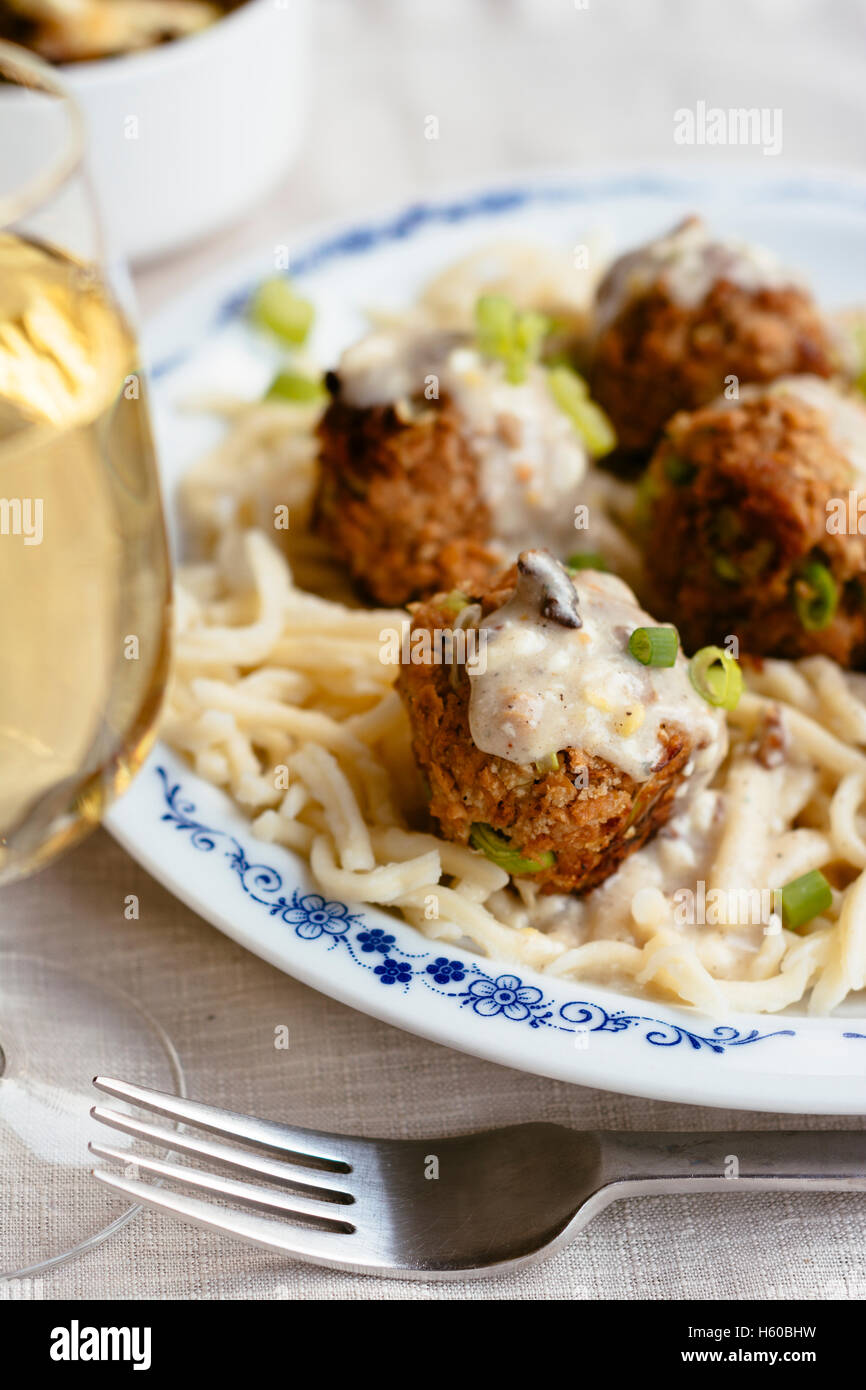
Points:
(275, 306)
(497, 848)
(725, 569)
(530, 330)
(678, 470)
(804, 898)
(549, 763)
(494, 322)
(294, 386)
(654, 646)
(759, 557)
(455, 601)
(716, 677)
(586, 560)
(816, 595)
(571, 394)
(642, 804)
(514, 338)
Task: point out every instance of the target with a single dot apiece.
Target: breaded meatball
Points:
(677, 318)
(435, 464)
(552, 749)
(399, 500)
(739, 539)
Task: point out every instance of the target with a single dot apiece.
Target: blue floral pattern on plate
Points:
(505, 996)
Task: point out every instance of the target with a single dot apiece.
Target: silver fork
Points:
(456, 1208)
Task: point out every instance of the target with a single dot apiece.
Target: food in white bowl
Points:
(69, 31)
(185, 134)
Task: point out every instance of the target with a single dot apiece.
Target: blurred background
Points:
(533, 84)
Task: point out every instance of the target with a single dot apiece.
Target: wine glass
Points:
(84, 631)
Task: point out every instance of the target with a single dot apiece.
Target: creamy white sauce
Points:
(845, 414)
(676, 857)
(646, 893)
(687, 262)
(545, 686)
(393, 364)
(642, 893)
(531, 459)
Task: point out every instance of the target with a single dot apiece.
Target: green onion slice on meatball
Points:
(498, 849)
(716, 677)
(724, 568)
(654, 646)
(512, 337)
(804, 898)
(816, 595)
(571, 394)
(678, 470)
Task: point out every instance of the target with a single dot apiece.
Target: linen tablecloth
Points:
(540, 83)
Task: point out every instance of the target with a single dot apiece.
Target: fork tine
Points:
(287, 1204)
(332, 1187)
(305, 1143)
(331, 1248)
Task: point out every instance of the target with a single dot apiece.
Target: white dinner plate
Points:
(193, 839)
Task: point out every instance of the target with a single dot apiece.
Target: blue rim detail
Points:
(313, 918)
(363, 237)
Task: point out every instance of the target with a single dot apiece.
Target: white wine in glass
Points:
(83, 564)
(84, 634)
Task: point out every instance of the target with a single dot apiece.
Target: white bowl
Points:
(184, 137)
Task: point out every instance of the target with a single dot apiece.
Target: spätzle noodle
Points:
(353, 800)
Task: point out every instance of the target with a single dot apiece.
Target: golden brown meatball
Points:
(399, 499)
(678, 318)
(574, 816)
(737, 539)
(439, 459)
